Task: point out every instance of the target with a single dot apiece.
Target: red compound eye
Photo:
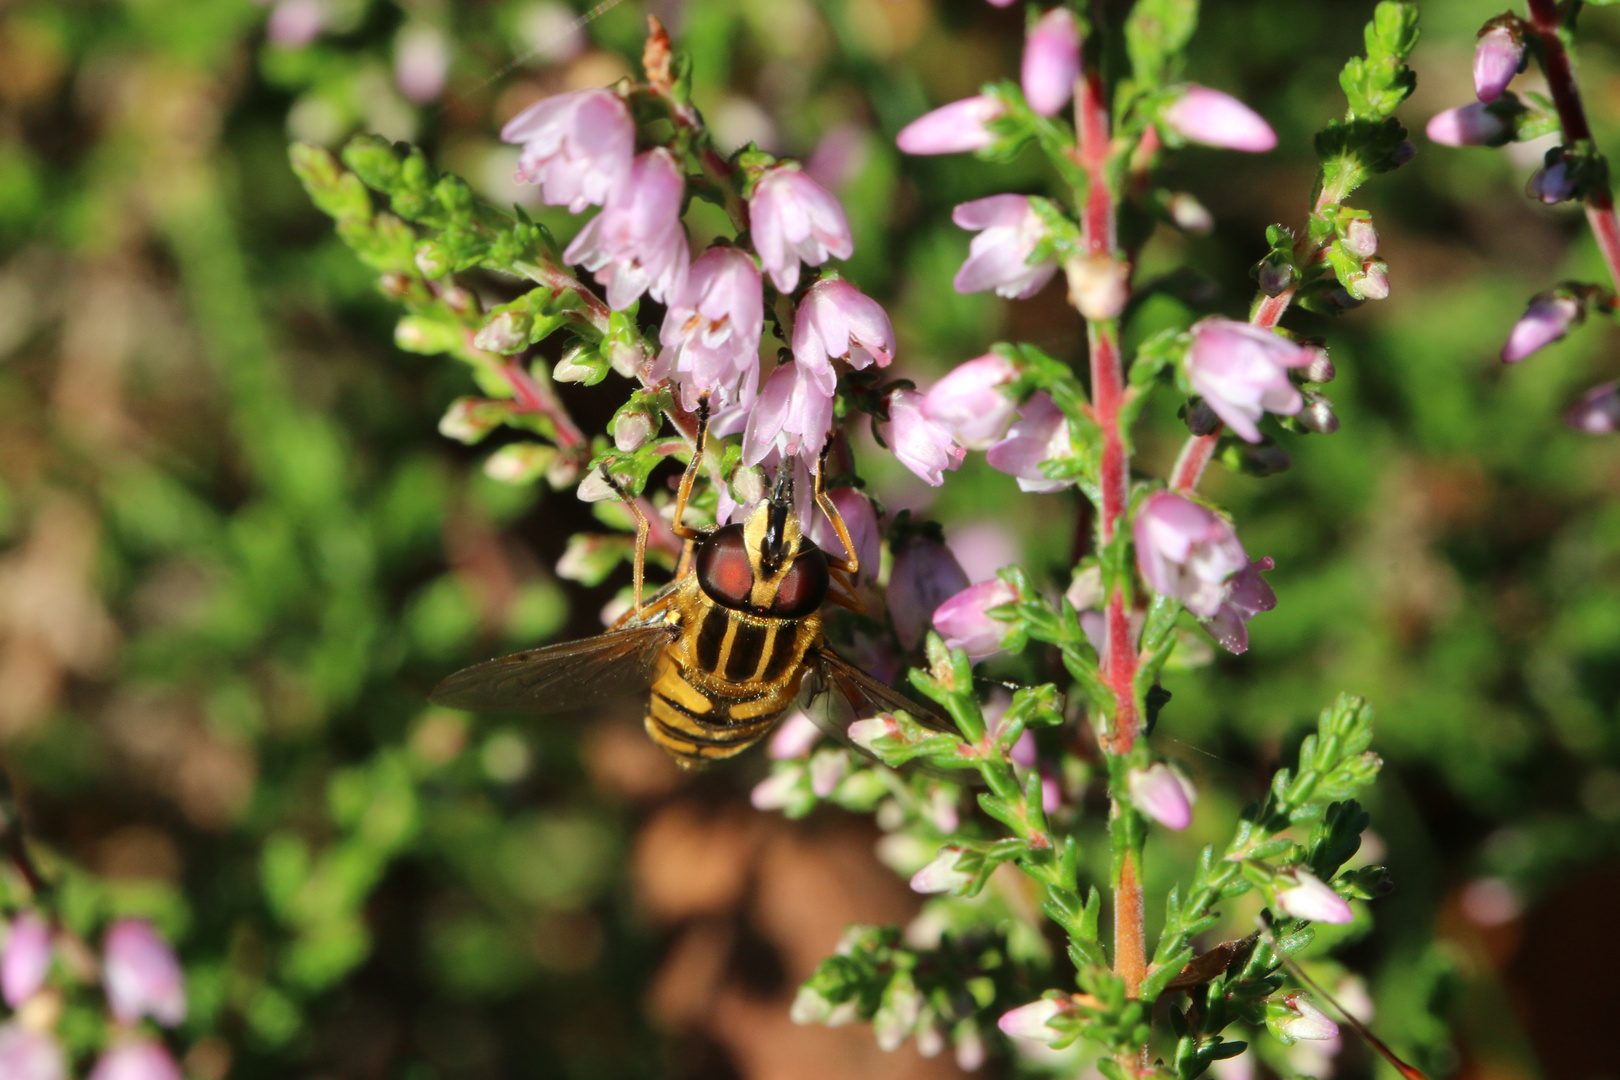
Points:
(803, 587)
(723, 570)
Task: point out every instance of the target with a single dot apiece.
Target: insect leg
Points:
(851, 565)
(643, 527)
(690, 475)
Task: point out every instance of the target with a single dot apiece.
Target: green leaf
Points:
(1156, 34)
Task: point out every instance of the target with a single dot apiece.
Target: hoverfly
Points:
(724, 649)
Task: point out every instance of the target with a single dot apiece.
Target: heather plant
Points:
(1073, 784)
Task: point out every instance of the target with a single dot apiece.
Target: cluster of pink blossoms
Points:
(141, 978)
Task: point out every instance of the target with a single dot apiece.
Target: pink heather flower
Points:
(970, 401)
(1040, 434)
(827, 770)
(1206, 116)
(712, 329)
(26, 1054)
(1009, 232)
(776, 790)
(793, 737)
(924, 576)
(941, 874)
(637, 244)
(27, 959)
(965, 622)
(141, 975)
(1496, 60)
(865, 733)
(1309, 1022)
(923, 446)
(1309, 898)
(1051, 61)
(1032, 1021)
(836, 321)
(792, 217)
(1546, 320)
(1186, 551)
(793, 414)
(576, 146)
(1242, 372)
(861, 521)
(421, 62)
(295, 23)
(1163, 794)
(1467, 125)
(1247, 595)
(1598, 413)
(136, 1059)
(952, 129)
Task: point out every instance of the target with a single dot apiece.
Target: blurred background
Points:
(235, 553)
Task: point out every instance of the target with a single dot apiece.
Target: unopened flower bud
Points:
(1548, 318)
(925, 575)
(562, 470)
(1099, 285)
(469, 419)
(827, 770)
(1373, 284)
(1468, 125)
(631, 430)
(1190, 215)
(776, 790)
(950, 129)
(1163, 794)
(969, 1047)
(1201, 419)
(1497, 57)
(1032, 1021)
(1403, 153)
(965, 622)
(523, 462)
(1051, 61)
(1555, 182)
(941, 874)
(27, 958)
(1318, 415)
(507, 332)
(793, 737)
(1320, 367)
(1598, 413)
(595, 488)
(866, 733)
(578, 364)
(27, 1054)
(1359, 237)
(1266, 459)
(1202, 115)
(1309, 898)
(1275, 274)
(141, 975)
(136, 1059)
(394, 286)
(1309, 1022)
(432, 259)
(459, 300)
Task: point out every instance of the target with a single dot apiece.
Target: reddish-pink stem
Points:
(534, 397)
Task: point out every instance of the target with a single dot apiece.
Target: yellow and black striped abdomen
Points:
(724, 682)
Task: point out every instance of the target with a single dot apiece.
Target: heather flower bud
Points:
(951, 129)
(1032, 1021)
(778, 790)
(866, 733)
(631, 430)
(1275, 274)
(1319, 369)
(26, 1054)
(925, 575)
(1206, 116)
(1403, 153)
(1010, 232)
(1308, 1021)
(1373, 282)
(141, 975)
(1318, 416)
(595, 488)
(507, 332)
(965, 622)
(136, 1059)
(1598, 413)
(1358, 236)
(579, 364)
(1099, 285)
(1189, 215)
(1201, 419)
(1468, 125)
(1309, 898)
(1163, 794)
(27, 959)
(827, 770)
(1497, 58)
(941, 874)
(1557, 181)
(521, 462)
(1548, 318)
(1051, 61)
(432, 259)
(421, 62)
(793, 737)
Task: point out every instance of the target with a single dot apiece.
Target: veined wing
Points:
(558, 678)
(839, 693)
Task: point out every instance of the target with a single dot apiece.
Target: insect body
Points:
(724, 650)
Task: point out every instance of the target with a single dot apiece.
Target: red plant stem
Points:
(1566, 95)
(535, 397)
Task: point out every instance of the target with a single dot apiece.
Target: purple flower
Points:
(922, 445)
(792, 217)
(136, 1059)
(836, 321)
(1186, 551)
(1467, 125)
(141, 975)
(712, 329)
(1308, 1022)
(952, 129)
(1308, 898)
(1032, 1021)
(1041, 434)
(970, 401)
(1496, 60)
(793, 414)
(27, 959)
(941, 874)
(1555, 182)
(421, 62)
(1163, 794)
(1598, 413)
(1546, 320)
(26, 1054)
(861, 520)
(1051, 61)
(576, 146)
(925, 575)
(636, 244)
(1206, 116)
(1242, 372)
(965, 622)
(1247, 595)
(999, 257)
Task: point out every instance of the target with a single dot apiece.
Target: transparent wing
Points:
(559, 678)
(837, 693)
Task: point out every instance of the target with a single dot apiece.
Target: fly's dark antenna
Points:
(772, 554)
